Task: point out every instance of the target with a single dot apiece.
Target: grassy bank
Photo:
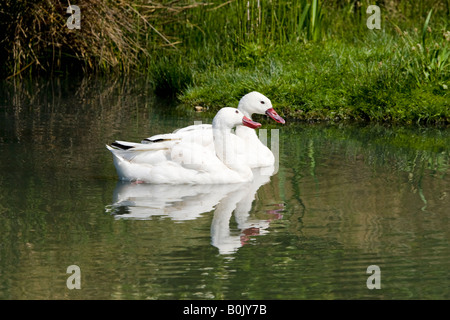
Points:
(316, 59)
(340, 70)
(381, 78)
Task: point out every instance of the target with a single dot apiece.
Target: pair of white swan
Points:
(201, 154)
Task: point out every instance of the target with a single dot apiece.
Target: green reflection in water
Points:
(346, 196)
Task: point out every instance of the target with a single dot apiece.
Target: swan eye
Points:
(262, 102)
(237, 111)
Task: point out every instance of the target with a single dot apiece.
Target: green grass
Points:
(315, 59)
(318, 66)
(371, 80)
(399, 76)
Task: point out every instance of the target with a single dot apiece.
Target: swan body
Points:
(180, 161)
(256, 153)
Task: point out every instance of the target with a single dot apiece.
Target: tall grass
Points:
(316, 57)
(36, 37)
(425, 54)
(128, 36)
(240, 32)
(116, 36)
(384, 77)
(239, 22)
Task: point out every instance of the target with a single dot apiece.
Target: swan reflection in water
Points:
(188, 202)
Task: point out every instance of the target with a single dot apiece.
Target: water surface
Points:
(346, 196)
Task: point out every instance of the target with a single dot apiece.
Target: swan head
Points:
(255, 102)
(228, 118)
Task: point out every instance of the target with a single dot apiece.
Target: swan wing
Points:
(199, 133)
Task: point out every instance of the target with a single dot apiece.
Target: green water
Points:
(346, 196)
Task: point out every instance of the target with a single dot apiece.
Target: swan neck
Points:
(244, 110)
(227, 151)
(221, 142)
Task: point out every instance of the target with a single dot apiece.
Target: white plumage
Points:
(255, 153)
(178, 160)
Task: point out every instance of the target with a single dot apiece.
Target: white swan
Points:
(178, 161)
(256, 153)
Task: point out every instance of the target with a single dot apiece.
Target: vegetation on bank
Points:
(314, 59)
(375, 79)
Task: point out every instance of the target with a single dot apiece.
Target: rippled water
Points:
(345, 197)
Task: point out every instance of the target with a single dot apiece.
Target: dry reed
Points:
(114, 35)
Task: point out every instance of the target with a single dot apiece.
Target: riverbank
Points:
(316, 60)
(380, 78)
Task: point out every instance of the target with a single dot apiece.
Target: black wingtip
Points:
(156, 140)
(120, 146)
